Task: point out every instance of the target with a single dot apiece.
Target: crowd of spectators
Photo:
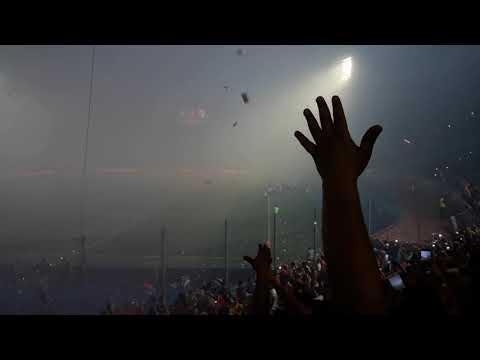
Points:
(439, 278)
(357, 274)
(307, 278)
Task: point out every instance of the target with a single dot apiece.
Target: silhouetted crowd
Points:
(308, 280)
(441, 279)
(438, 278)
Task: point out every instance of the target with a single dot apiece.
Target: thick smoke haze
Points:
(173, 143)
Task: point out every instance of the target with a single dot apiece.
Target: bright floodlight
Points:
(346, 68)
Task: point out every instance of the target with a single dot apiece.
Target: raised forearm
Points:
(355, 279)
(260, 305)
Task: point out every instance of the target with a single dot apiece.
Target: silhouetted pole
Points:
(267, 198)
(274, 245)
(164, 267)
(84, 182)
(84, 253)
(314, 232)
(227, 279)
(156, 273)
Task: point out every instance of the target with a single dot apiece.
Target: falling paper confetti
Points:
(407, 141)
(202, 113)
(235, 123)
(245, 98)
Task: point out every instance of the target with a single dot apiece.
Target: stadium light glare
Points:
(346, 68)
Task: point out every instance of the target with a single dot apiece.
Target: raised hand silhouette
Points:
(356, 282)
(336, 155)
(262, 264)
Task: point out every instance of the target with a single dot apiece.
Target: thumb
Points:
(369, 139)
(248, 259)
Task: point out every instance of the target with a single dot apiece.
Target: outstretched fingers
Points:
(367, 143)
(313, 125)
(307, 144)
(324, 114)
(369, 139)
(248, 259)
(339, 116)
